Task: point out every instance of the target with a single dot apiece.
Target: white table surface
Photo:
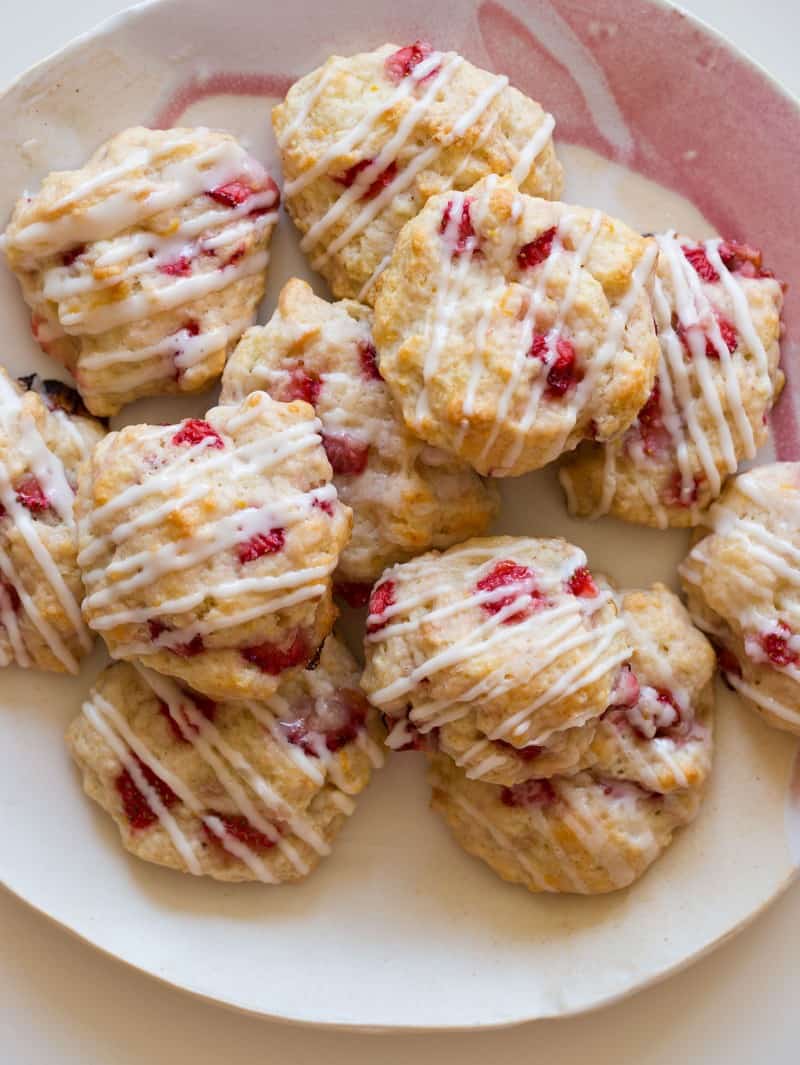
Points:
(62, 1003)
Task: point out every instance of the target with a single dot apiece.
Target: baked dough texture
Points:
(406, 496)
(143, 268)
(253, 791)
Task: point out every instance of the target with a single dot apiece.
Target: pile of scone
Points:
(483, 330)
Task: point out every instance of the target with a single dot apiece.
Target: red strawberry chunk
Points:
(536, 251)
(742, 259)
(194, 430)
(136, 807)
(729, 337)
(581, 583)
(272, 659)
(329, 721)
(31, 495)
(562, 372)
(386, 177)
(195, 646)
(325, 505)
(237, 254)
(69, 256)
(676, 496)
(699, 260)
(626, 688)
(402, 62)
(368, 357)
(529, 793)
(191, 327)
(268, 543)
(502, 575)
(380, 600)
(302, 384)
(239, 828)
(345, 454)
(183, 728)
(459, 233)
(654, 434)
(775, 646)
(9, 592)
(354, 593)
(180, 267)
(231, 194)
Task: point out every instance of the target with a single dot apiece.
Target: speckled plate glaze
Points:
(661, 122)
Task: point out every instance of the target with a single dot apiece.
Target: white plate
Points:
(398, 928)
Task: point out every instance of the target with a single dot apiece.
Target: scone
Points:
(717, 313)
(365, 140)
(742, 585)
(253, 791)
(45, 435)
(144, 268)
(207, 547)
(585, 834)
(510, 328)
(658, 733)
(503, 646)
(406, 496)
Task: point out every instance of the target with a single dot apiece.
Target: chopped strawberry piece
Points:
(194, 647)
(231, 194)
(239, 828)
(626, 688)
(31, 495)
(302, 385)
(502, 575)
(581, 583)
(402, 62)
(536, 251)
(405, 736)
(529, 793)
(261, 544)
(729, 336)
(331, 721)
(180, 267)
(562, 372)
(345, 454)
(325, 505)
(368, 357)
(207, 707)
(727, 660)
(380, 600)
(354, 593)
(386, 177)
(699, 260)
(10, 593)
(458, 234)
(191, 327)
(776, 646)
(272, 659)
(155, 627)
(654, 434)
(194, 430)
(136, 807)
(69, 256)
(235, 256)
(676, 496)
(742, 259)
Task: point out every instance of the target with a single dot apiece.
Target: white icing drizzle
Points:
(21, 432)
(553, 630)
(688, 387)
(185, 479)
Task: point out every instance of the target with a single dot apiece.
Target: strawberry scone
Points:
(497, 650)
(234, 791)
(510, 328)
(718, 316)
(366, 139)
(207, 547)
(406, 496)
(143, 268)
(45, 435)
(742, 584)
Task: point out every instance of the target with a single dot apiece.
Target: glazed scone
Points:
(144, 268)
(207, 547)
(365, 140)
(510, 328)
(585, 834)
(45, 435)
(659, 732)
(742, 585)
(718, 317)
(500, 645)
(406, 496)
(253, 791)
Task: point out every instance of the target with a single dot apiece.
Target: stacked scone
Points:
(482, 329)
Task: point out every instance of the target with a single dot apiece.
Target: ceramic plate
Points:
(660, 122)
